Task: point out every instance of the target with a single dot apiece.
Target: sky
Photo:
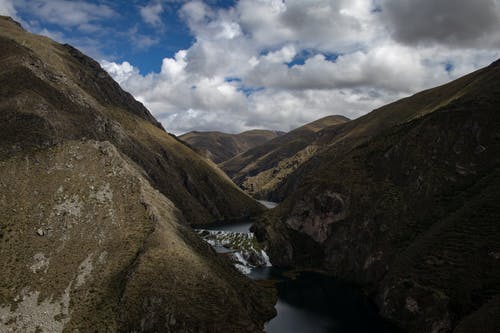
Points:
(235, 65)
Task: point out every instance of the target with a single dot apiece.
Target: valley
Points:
(388, 222)
(402, 201)
(307, 301)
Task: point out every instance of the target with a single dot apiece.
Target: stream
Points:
(307, 301)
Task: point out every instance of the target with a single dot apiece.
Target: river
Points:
(307, 301)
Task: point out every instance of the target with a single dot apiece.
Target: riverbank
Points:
(307, 301)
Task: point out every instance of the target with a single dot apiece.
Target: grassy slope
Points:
(89, 245)
(404, 200)
(220, 147)
(261, 169)
(52, 92)
(88, 241)
(340, 138)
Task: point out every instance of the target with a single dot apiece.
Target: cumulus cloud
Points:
(341, 25)
(360, 69)
(121, 72)
(276, 64)
(279, 64)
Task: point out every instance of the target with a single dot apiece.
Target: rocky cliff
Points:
(96, 201)
(404, 201)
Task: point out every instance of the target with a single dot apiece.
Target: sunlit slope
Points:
(52, 92)
(220, 147)
(261, 170)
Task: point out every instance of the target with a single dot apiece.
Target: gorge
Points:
(108, 223)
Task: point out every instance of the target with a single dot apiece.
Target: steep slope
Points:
(262, 169)
(220, 147)
(52, 92)
(95, 205)
(88, 245)
(405, 202)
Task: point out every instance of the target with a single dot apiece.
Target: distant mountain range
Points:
(220, 147)
(262, 169)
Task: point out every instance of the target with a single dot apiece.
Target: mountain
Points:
(52, 92)
(220, 147)
(260, 170)
(404, 201)
(96, 202)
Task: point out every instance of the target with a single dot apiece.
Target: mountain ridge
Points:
(402, 201)
(96, 204)
(219, 146)
(260, 169)
(60, 95)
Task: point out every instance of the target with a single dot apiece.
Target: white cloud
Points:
(67, 13)
(151, 13)
(275, 64)
(7, 8)
(341, 25)
(120, 72)
(278, 64)
(140, 41)
(83, 16)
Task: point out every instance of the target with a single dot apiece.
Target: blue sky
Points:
(115, 37)
(242, 64)
(124, 34)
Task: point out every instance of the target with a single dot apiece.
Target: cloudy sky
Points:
(234, 65)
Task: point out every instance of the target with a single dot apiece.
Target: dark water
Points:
(243, 227)
(314, 302)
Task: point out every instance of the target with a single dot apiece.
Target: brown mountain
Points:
(95, 205)
(404, 201)
(220, 147)
(52, 92)
(260, 170)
